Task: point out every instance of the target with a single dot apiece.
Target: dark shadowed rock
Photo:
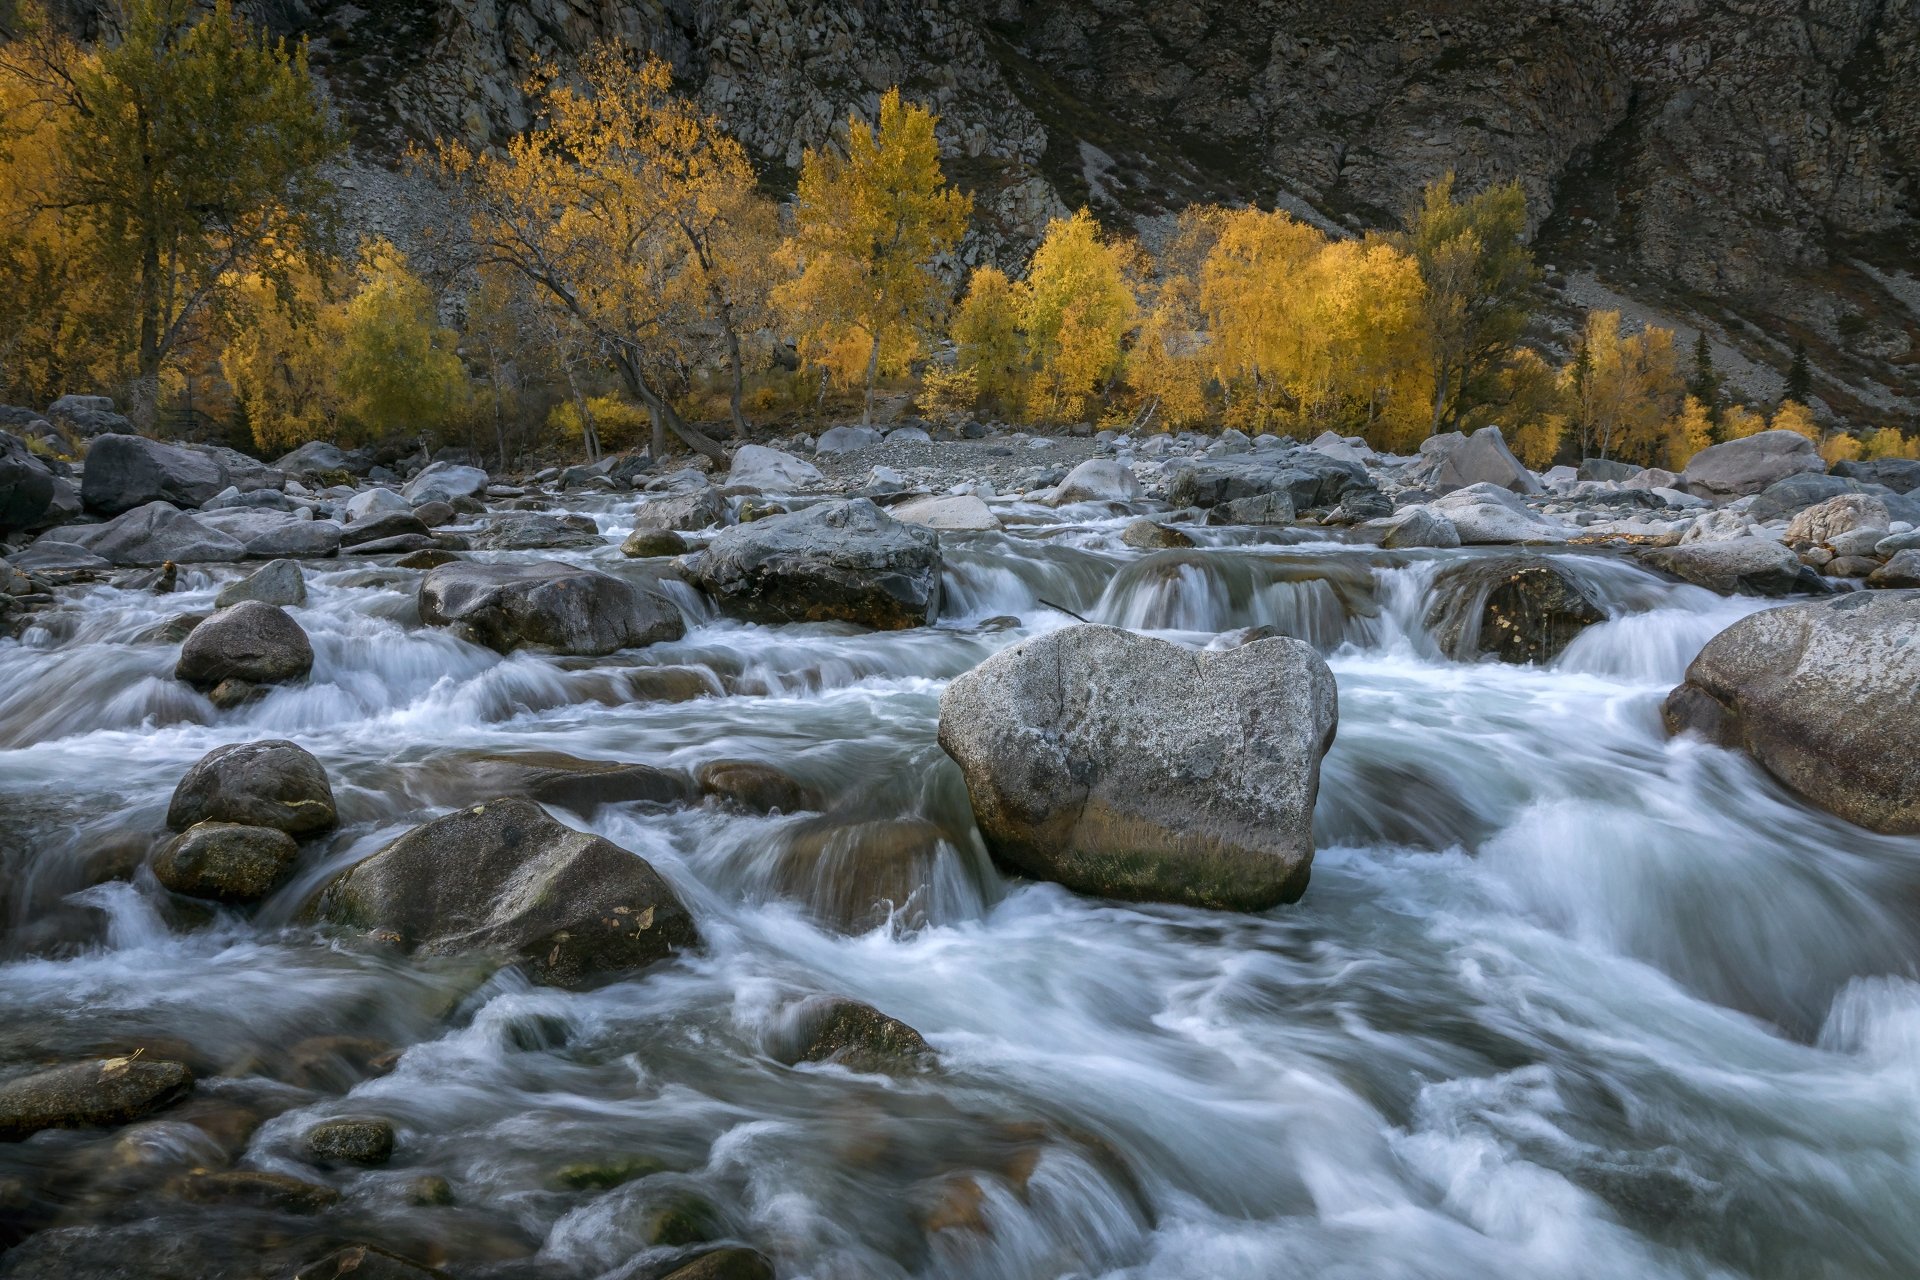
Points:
(505, 879)
(226, 862)
(1307, 477)
(1147, 535)
(856, 876)
(272, 783)
(1131, 767)
(725, 1264)
(1902, 475)
(88, 1095)
(851, 1034)
(159, 532)
(250, 641)
(552, 777)
(1822, 696)
(361, 1140)
(533, 530)
(369, 1262)
(380, 526)
(548, 605)
(26, 485)
(1746, 566)
(755, 786)
(642, 544)
(124, 472)
(838, 561)
(254, 1189)
(1514, 608)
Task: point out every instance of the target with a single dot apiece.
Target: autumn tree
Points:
(1530, 408)
(281, 359)
(1479, 274)
(1794, 416)
(986, 334)
(1076, 308)
(587, 206)
(871, 225)
(191, 154)
(399, 369)
(1626, 388)
(1688, 433)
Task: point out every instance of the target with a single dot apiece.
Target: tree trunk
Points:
(499, 422)
(589, 435)
(1440, 380)
(695, 439)
(873, 372)
(738, 376)
(657, 440)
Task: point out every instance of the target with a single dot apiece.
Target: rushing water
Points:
(1565, 998)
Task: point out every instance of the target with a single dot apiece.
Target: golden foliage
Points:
(1076, 307)
(986, 332)
(1840, 446)
(1887, 442)
(1795, 417)
(1688, 434)
(618, 424)
(398, 368)
(1626, 389)
(1738, 422)
(948, 394)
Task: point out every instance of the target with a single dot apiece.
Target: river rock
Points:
(1902, 570)
(533, 530)
(378, 501)
(1307, 477)
(250, 641)
(1097, 480)
(552, 777)
(1261, 510)
(271, 783)
(322, 456)
(842, 561)
(1722, 524)
(1822, 522)
(1485, 514)
(765, 470)
(1748, 465)
(955, 513)
(1902, 475)
(1785, 499)
(255, 1189)
(1420, 527)
(851, 1034)
(1455, 461)
(682, 512)
(1130, 767)
(445, 482)
(1821, 694)
(296, 539)
(125, 471)
(1748, 566)
(1606, 469)
(1514, 608)
(1148, 535)
(361, 1140)
(729, 1263)
(226, 862)
(546, 604)
(379, 527)
(857, 876)
(846, 439)
(26, 485)
(755, 786)
(279, 583)
(644, 544)
(159, 532)
(89, 1095)
(504, 878)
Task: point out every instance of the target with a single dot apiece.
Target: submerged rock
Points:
(226, 862)
(732, 1263)
(838, 561)
(351, 1140)
(644, 544)
(250, 641)
(546, 604)
(850, 1034)
(855, 876)
(1130, 767)
(1514, 608)
(755, 786)
(264, 784)
(1822, 696)
(505, 879)
(89, 1095)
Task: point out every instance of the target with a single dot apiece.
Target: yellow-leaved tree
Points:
(1887, 442)
(1076, 308)
(1794, 416)
(1626, 387)
(871, 225)
(986, 336)
(281, 357)
(1688, 433)
(1737, 422)
(399, 369)
(1263, 338)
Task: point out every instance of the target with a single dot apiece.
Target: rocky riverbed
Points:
(1004, 857)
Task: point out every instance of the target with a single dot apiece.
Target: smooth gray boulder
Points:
(321, 456)
(1418, 527)
(123, 472)
(1822, 696)
(546, 604)
(26, 486)
(89, 1095)
(226, 862)
(159, 532)
(682, 512)
(1784, 499)
(1902, 475)
(376, 502)
(1307, 477)
(271, 783)
(846, 439)
(382, 526)
(1746, 566)
(842, 561)
(1097, 480)
(1748, 465)
(1131, 767)
(1456, 461)
(962, 513)
(1902, 570)
(504, 879)
(279, 583)
(445, 482)
(535, 530)
(297, 540)
(1485, 514)
(757, 467)
(250, 641)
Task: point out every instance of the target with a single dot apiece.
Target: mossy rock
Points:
(603, 1175)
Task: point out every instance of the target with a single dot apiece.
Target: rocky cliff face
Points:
(1751, 170)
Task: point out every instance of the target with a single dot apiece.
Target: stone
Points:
(1147, 535)
(445, 482)
(1130, 767)
(1902, 475)
(126, 471)
(644, 544)
(857, 876)
(369, 503)
(1748, 465)
(403, 544)
(1784, 499)
(546, 604)
(505, 879)
(1262, 509)
(271, 783)
(1420, 527)
(1607, 469)
(368, 1262)
(846, 439)
(850, 1034)
(232, 498)
(89, 1095)
(731, 1263)
(1655, 479)
(226, 862)
(569, 782)
(361, 1140)
(755, 786)
(254, 1189)
(1515, 608)
(964, 513)
(157, 533)
(845, 561)
(1097, 480)
(426, 558)
(536, 530)
(249, 641)
(909, 435)
(321, 456)
(1821, 695)
(1748, 566)
(381, 527)
(1721, 525)
(1484, 514)
(296, 539)
(765, 470)
(435, 514)
(278, 583)
(1843, 513)
(1308, 478)
(683, 512)
(1357, 506)
(26, 486)
(1456, 461)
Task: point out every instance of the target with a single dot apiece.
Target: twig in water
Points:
(1060, 608)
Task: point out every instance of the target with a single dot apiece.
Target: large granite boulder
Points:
(272, 783)
(1902, 475)
(1514, 608)
(1822, 696)
(1097, 480)
(445, 482)
(26, 485)
(536, 530)
(323, 457)
(546, 604)
(1843, 513)
(681, 512)
(1786, 499)
(1308, 477)
(838, 561)
(846, 439)
(279, 583)
(154, 534)
(1455, 461)
(251, 641)
(765, 470)
(124, 472)
(1131, 767)
(1722, 472)
(1745, 566)
(503, 878)
(1484, 514)
(962, 513)
(89, 1095)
